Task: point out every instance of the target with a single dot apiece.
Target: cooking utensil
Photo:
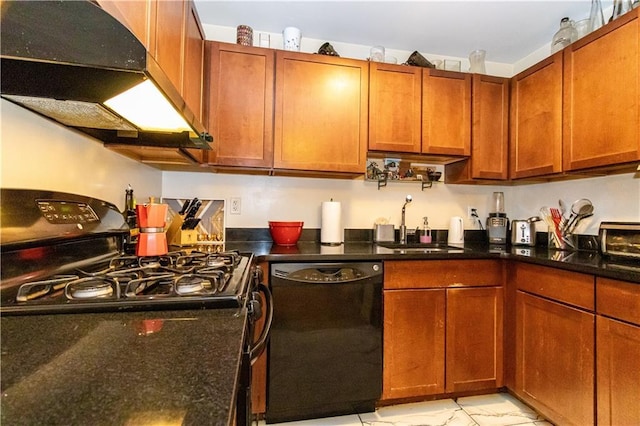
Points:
(563, 208)
(560, 222)
(580, 208)
(547, 216)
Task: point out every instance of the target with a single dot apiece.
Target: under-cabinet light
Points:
(146, 107)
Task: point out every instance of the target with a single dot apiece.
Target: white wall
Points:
(37, 153)
(265, 198)
(347, 50)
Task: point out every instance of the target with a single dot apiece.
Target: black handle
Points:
(184, 207)
(258, 347)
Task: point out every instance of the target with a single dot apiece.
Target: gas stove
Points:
(63, 253)
(67, 289)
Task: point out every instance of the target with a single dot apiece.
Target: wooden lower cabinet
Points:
(618, 372)
(618, 352)
(442, 327)
(474, 339)
(555, 359)
(413, 343)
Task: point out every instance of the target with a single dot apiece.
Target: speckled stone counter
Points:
(171, 367)
(589, 262)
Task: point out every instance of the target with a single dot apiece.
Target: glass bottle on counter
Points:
(566, 35)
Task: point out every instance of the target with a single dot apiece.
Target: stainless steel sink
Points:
(420, 248)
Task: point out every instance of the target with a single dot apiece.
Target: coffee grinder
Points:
(497, 222)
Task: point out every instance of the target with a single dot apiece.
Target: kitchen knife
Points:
(191, 223)
(185, 206)
(192, 211)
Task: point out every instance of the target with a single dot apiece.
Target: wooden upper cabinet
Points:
(489, 128)
(193, 61)
(169, 36)
(395, 96)
(536, 120)
(135, 15)
(321, 119)
(446, 112)
(602, 96)
(240, 104)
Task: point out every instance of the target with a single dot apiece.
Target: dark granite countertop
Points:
(588, 262)
(173, 367)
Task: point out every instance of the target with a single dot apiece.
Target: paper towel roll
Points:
(331, 231)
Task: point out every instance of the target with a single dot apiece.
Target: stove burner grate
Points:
(177, 274)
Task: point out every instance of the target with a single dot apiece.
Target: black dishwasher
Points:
(325, 350)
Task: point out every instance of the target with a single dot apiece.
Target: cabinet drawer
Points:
(618, 299)
(442, 273)
(564, 286)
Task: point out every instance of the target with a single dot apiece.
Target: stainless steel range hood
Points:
(65, 59)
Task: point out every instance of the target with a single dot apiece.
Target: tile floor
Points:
(499, 409)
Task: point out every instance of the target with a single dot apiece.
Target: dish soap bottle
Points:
(566, 35)
(425, 232)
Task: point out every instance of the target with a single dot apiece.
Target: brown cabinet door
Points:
(413, 345)
(169, 26)
(240, 104)
(321, 118)
(489, 129)
(193, 61)
(536, 120)
(618, 372)
(395, 95)
(555, 359)
(474, 339)
(602, 96)
(446, 112)
(135, 15)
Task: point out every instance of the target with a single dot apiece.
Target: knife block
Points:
(176, 236)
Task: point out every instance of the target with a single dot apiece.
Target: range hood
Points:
(69, 61)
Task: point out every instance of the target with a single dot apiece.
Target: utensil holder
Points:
(566, 242)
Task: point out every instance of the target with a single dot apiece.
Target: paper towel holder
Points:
(331, 232)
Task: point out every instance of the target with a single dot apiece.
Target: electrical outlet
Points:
(236, 203)
(470, 212)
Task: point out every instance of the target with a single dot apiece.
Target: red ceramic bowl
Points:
(285, 233)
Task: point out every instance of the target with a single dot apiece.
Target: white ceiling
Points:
(508, 30)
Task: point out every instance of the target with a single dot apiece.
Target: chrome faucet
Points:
(403, 227)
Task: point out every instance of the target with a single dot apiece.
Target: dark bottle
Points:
(131, 218)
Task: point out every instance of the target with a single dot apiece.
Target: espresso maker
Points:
(497, 222)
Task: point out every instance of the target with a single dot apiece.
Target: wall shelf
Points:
(395, 170)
